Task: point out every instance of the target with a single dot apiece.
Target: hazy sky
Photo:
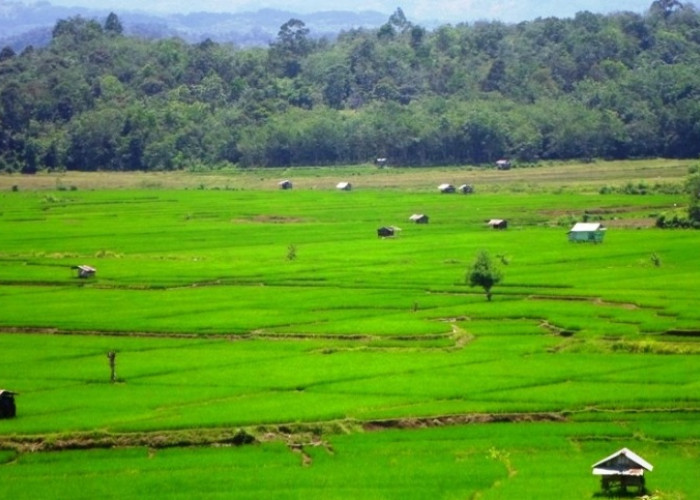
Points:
(453, 11)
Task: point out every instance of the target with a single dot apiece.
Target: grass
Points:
(235, 259)
(216, 328)
(587, 176)
(454, 462)
(178, 383)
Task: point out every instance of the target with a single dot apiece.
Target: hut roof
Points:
(587, 227)
(417, 217)
(343, 185)
(4, 392)
(495, 222)
(87, 269)
(623, 462)
(385, 231)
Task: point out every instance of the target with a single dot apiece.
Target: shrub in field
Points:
(656, 259)
(676, 221)
(693, 186)
(483, 273)
(692, 219)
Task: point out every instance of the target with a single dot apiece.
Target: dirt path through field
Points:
(297, 436)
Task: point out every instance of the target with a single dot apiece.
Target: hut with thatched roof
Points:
(622, 469)
(497, 223)
(7, 404)
(419, 218)
(85, 272)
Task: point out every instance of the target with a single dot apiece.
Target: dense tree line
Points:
(616, 86)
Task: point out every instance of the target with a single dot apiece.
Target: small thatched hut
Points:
(85, 271)
(419, 218)
(385, 231)
(503, 164)
(7, 404)
(623, 468)
(498, 223)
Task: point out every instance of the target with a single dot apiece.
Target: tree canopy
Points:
(693, 186)
(614, 86)
(484, 273)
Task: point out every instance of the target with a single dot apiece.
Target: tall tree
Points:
(484, 273)
(291, 46)
(13, 108)
(7, 52)
(113, 25)
(399, 21)
(665, 7)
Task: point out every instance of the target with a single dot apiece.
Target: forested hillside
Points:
(614, 86)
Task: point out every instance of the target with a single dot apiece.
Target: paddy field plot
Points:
(361, 367)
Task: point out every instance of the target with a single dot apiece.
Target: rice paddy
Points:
(361, 367)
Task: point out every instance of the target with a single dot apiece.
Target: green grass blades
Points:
(519, 460)
(283, 313)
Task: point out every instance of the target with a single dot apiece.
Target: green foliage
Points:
(693, 187)
(113, 25)
(417, 463)
(691, 218)
(291, 252)
(617, 86)
(484, 273)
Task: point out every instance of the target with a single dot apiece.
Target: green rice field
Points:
(269, 345)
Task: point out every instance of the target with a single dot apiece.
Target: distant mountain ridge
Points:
(22, 25)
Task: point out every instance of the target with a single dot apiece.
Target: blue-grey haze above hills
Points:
(249, 23)
(418, 10)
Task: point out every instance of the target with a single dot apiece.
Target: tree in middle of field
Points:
(112, 356)
(484, 273)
